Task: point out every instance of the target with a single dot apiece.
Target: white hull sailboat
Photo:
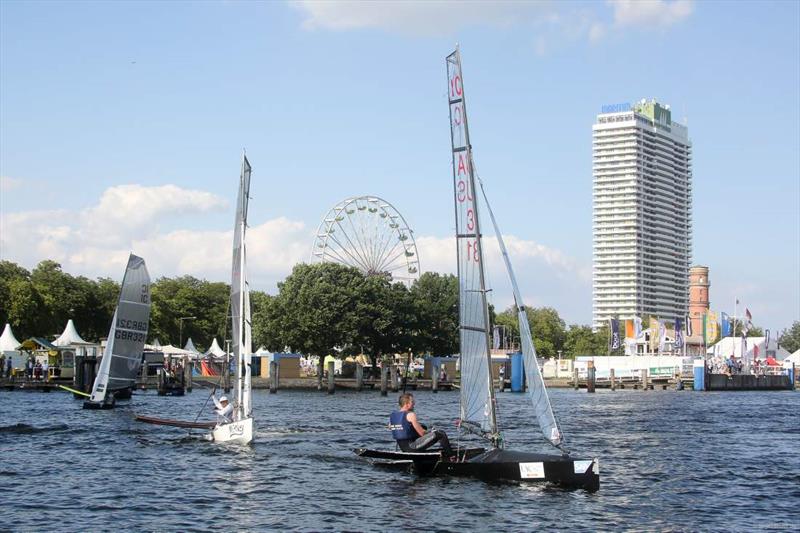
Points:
(240, 429)
(122, 357)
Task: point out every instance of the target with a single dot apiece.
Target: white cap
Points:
(223, 398)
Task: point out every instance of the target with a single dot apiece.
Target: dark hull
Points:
(495, 465)
(108, 404)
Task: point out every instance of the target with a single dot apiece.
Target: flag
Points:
(629, 333)
(766, 340)
(778, 339)
(726, 324)
(653, 333)
(662, 337)
(689, 331)
(678, 333)
(710, 328)
(749, 324)
(614, 341)
(496, 338)
(637, 327)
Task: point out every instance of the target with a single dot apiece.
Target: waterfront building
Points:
(641, 223)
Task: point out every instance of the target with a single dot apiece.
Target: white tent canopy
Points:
(215, 350)
(190, 346)
(8, 342)
(733, 345)
(70, 337)
(794, 358)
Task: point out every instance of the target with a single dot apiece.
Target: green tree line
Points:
(319, 309)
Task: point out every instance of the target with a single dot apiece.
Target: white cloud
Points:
(73, 239)
(661, 13)
(432, 17)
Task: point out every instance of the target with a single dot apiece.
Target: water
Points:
(668, 461)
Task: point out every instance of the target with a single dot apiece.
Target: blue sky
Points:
(122, 124)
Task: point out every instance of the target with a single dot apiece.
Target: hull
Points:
(240, 431)
(502, 465)
(494, 465)
(108, 403)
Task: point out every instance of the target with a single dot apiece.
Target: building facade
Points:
(642, 214)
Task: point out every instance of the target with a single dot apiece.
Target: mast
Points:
(536, 388)
(474, 336)
(240, 300)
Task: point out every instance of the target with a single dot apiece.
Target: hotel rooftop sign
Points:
(616, 108)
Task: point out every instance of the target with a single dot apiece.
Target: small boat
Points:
(122, 357)
(240, 427)
(477, 395)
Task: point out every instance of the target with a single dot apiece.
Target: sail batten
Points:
(477, 390)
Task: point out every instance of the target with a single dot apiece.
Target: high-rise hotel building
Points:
(642, 213)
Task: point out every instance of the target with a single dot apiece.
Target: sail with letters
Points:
(477, 392)
(122, 357)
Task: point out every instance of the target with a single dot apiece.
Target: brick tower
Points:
(698, 299)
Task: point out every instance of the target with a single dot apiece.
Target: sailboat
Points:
(122, 357)
(478, 404)
(240, 428)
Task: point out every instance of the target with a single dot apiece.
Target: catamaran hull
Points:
(502, 465)
(240, 431)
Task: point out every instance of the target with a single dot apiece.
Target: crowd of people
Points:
(33, 371)
(731, 365)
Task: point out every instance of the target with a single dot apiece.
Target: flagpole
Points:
(734, 317)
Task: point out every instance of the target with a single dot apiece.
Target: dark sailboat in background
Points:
(478, 402)
(122, 357)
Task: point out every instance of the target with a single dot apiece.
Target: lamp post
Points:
(180, 321)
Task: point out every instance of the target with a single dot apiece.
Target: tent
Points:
(190, 346)
(70, 337)
(794, 358)
(755, 348)
(215, 350)
(8, 347)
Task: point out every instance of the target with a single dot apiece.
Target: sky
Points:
(122, 126)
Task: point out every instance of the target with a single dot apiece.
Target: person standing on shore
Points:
(2, 365)
(411, 436)
(8, 367)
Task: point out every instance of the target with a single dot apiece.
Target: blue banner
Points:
(678, 333)
(614, 341)
(726, 325)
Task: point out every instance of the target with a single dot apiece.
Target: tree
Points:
(581, 340)
(434, 298)
(316, 309)
(790, 340)
(548, 330)
(9, 272)
(24, 305)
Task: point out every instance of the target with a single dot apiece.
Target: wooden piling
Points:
(384, 372)
(187, 374)
(331, 382)
(613, 379)
(575, 377)
(273, 377)
(359, 377)
(393, 372)
(434, 380)
(590, 376)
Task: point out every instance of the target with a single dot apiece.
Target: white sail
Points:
(536, 387)
(122, 357)
(240, 298)
(477, 390)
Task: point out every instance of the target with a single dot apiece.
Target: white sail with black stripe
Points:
(477, 391)
(122, 357)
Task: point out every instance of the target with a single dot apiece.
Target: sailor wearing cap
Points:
(224, 409)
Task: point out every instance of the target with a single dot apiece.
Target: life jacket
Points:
(401, 427)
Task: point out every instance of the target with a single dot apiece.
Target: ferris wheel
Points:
(368, 233)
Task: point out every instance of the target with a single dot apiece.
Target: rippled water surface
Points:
(668, 461)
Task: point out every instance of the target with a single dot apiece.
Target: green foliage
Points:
(434, 299)
(791, 338)
(581, 340)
